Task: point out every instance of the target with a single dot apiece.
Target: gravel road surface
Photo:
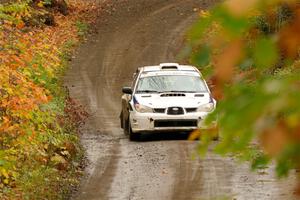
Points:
(133, 33)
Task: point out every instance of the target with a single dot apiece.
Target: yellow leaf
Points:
(204, 14)
(58, 159)
(65, 153)
(40, 4)
(4, 173)
(195, 135)
(292, 121)
(6, 181)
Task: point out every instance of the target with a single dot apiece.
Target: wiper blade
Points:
(146, 91)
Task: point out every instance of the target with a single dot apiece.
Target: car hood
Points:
(164, 100)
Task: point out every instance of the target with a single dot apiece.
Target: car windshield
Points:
(171, 83)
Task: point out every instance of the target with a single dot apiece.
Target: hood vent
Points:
(199, 95)
(172, 95)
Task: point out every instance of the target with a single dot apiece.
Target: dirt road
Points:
(133, 33)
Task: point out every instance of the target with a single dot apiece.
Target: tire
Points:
(132, 136)
(121, 120)
(125, 126)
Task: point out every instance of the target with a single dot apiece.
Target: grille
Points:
(175, 111)
(189, 110)
(159, 110)
(175, 123)
(172, 95)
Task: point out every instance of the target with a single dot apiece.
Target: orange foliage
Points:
(19, 46)
(289, 40)
(29, 57)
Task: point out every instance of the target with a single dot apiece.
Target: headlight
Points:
(209, 107)
(142, 109)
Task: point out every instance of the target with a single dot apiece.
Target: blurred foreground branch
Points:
(250, 52)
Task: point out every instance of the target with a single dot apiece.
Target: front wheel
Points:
(132, 136)
(125, 124)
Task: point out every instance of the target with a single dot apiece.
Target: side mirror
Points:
(127, 90)
(133, 75)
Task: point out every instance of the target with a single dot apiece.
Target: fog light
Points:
(134, 123)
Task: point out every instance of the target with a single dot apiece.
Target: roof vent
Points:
(167, 66)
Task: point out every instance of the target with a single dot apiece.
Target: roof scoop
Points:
(169, 66)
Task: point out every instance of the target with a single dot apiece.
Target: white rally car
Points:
(166, 97)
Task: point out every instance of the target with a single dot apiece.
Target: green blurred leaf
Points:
(283, 167)
(199, 29)
(246, 64)
(265, 53)
(288, 159)
(202, 56)
(235, 26)
(2, 162)
(260, 162)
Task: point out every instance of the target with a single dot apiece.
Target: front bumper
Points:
(150, 122)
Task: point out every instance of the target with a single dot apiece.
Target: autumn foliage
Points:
(37, 119)
(250, 52)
